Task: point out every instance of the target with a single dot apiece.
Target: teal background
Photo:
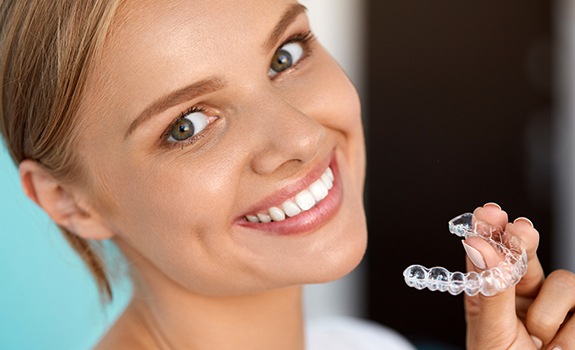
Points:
(47, 298)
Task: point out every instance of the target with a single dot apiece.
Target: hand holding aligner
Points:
(490, 281)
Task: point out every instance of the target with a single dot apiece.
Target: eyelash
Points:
(191, 140)
(304, 38)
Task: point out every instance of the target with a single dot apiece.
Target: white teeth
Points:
(329, 174)
(264, 218)
(290, 208)
(327, 181)
(252, 218)
(277, 214)
(303, 201)
(319, 190)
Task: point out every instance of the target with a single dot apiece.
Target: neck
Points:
(180, 320)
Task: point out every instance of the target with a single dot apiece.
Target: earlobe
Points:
(60, 203)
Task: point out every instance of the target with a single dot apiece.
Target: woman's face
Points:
(202, 114)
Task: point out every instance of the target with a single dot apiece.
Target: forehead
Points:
(145, 31)
(156, 46)
(141, 21)
(187, 29)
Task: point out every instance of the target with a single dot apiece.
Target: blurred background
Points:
(461, 111)
(464, 103)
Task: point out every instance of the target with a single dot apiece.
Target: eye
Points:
(187, 126)
(285, 57)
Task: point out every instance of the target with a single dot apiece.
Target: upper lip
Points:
(291, 189)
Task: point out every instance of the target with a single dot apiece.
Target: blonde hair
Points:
(46, 52)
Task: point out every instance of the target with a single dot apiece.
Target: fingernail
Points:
(491, 204)
(538, 343)
(556, 348)
(475, 256)
(524, 219)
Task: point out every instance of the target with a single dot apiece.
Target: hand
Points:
(535, 314)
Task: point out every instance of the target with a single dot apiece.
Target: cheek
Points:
(178, 220)
(173, 197)
(330, 97)
(333, 95)
(335, 103)
(171, 202)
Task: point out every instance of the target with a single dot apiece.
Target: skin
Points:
(535, 314)
(174, 211)
(203, 278)
(178, 205)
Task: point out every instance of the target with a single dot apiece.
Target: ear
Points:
(60, 203)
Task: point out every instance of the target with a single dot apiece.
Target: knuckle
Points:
(540, 321)
(562, 279)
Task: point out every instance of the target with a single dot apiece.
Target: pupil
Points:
(282, 61)
(183, 130)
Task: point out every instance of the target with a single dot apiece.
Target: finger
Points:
(530, 283)
(522, 228)
(490, 319)
(566, 337)
(492, 214)
(495, 313)
(555, 301)
(480, 254)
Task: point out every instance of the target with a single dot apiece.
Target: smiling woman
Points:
(218, 146)
(164, 168)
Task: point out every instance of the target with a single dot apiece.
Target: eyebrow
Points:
(206, 86)
(188, 92)
(286, 20)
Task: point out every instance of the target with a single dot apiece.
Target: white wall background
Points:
(338, 24)
(564, 19)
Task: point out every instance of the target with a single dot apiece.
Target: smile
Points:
(301, 202)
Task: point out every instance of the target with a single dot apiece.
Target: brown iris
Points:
(182, 130)
(281, 61)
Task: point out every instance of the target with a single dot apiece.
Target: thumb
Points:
(489, 319)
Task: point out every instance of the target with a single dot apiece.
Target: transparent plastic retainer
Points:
(490, 281)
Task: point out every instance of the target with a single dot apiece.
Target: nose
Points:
(285, 138)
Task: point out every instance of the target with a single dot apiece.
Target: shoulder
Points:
(344, 333)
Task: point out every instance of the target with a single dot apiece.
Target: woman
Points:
(220, 147)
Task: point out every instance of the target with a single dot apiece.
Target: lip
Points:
(307, 221)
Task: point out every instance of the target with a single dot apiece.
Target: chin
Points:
(339, 262)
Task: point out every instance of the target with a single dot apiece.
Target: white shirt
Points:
(343, 333)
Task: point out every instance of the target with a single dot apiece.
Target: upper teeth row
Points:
(303, 201)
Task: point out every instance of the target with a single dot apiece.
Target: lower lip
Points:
(307, 221)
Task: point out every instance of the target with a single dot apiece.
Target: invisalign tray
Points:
(489, 282)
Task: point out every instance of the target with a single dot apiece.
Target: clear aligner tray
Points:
(490, 281)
